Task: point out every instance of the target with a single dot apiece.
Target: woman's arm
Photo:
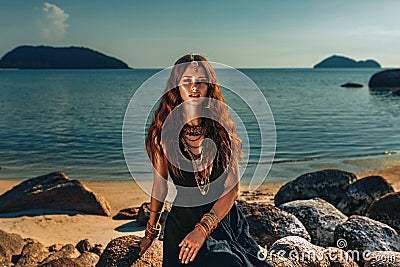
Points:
(160, 188)
(223, 205)
(158, 195)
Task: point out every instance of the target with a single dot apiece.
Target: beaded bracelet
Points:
(151, 231)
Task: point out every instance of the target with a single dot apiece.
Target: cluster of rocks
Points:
(18, 252)
(329, 218)
(120, 252)
(325, 218)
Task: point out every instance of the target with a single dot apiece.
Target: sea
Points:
(73, 121)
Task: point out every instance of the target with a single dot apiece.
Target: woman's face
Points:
(193, 84)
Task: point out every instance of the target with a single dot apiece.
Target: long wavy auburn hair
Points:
(228, 144)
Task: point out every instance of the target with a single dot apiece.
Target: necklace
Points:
(203, 183)
(192, 140)
(193, 130)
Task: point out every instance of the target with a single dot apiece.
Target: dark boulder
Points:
(385, 80)
(123, 252)
(352, 85)
(127, 214)
(268, 223)
(359, 195)
(329, 185)
(386, 209)
(84, 246)
(53, 192)
(365, 235)
(319, 217)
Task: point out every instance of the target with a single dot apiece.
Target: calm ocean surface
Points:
(71, 120)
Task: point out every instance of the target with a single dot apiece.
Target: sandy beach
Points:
(63, 228)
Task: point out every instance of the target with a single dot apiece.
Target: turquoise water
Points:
(71, 120)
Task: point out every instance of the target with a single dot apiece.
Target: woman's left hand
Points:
(191, 245)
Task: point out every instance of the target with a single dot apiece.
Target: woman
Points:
(193, 139)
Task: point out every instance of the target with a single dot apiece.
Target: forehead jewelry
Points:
(195, 65)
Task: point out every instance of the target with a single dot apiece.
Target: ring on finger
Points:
(187, 249)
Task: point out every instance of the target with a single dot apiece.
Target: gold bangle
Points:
(208, 223)
(211, 218)
(202, 229)
(205, 226)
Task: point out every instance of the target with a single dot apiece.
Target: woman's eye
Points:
(187, 80)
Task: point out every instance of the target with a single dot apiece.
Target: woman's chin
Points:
(195, 101)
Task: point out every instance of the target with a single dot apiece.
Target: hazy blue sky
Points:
(265, 33)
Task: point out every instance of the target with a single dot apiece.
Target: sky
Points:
(242, 34)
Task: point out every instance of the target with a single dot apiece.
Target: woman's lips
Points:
(194, 96)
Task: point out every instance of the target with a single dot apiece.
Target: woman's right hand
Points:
(144, 244)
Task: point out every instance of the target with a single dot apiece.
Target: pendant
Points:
(204, 189)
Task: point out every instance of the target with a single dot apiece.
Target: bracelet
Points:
(151, 231)
(207, 223)
(201, 229)
(158, 212)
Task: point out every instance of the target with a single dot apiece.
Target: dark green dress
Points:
(230, 244)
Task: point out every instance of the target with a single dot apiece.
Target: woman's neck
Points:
(194, 122)
(192, 112)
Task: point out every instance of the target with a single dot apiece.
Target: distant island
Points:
(48, 57)
(344, 62)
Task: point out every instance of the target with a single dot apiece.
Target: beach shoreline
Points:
(52, 229)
